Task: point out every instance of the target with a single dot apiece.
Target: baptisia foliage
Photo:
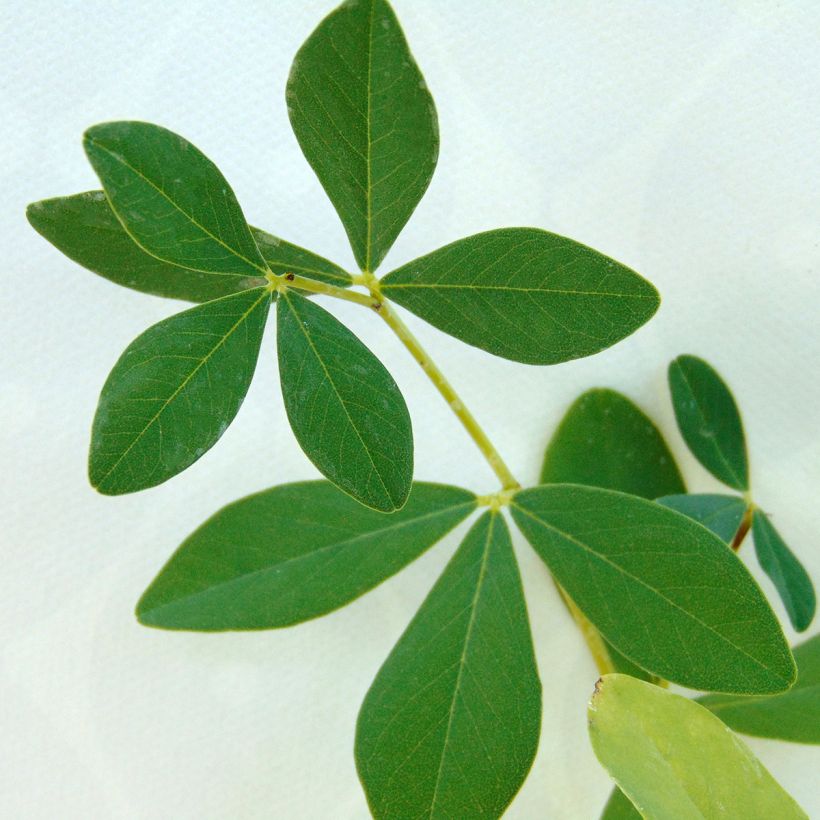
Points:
(451, 723)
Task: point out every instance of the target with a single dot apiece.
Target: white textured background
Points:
(680, 138)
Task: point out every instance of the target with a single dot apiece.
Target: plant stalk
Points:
(743, 529)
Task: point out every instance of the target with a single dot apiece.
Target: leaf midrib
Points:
(286, 299)
(184, 383)
(653, 590)
(462, 661)
(341, 545)
(385, 286)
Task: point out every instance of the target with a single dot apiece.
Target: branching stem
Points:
(509, 484)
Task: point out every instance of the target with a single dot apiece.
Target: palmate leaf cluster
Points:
(451, 723)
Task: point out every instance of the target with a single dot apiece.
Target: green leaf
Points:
(525, 294)
(787, 573)
(174, 391)
(365, 122)
(283, 257)
(709, 420)
(450, 726)
(171, 199)
(665, 591)
(85, 229)
(791, 716)
(675, 759)
(619, 807)
(721, 514)
(604, 440)
(292, 553)
(346, 411)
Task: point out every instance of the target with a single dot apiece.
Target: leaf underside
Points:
(292, 553)
(675, 759)
(663, 590)
(709, 420)
(450, 726)
(346, 411)
(525, 294)
(365, 121)
(174, 391)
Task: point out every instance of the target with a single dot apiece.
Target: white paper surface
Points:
(679, 138)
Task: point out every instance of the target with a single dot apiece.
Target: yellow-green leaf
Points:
(675, 759)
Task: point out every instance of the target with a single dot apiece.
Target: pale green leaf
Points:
(787, 573)
(721, 514)
(450, 726)
(365, 121)
(794, 715)
(525, 294)
(171, 199)
(709, 420)
(619, 807)
(86, 230)
(662, 589)
(346, 411)
(604, 440)
(292, 553)
(174, 391)
(675, 759)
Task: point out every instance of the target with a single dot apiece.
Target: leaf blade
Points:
(673, 758)
(459, 698)
(346, 411)
(709, 420)
(791, 716)
(356, 80)
(525, 294)
(293, 553)
(787, 573)
(162, 388)
(647, 577)
(721, 514)
(604, 440)
(86, 230)
(171, 199)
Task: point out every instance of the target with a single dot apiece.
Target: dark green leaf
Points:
(346, 411)
(86, 230)
(787, 573)
(709, 420)
(172, 199)
(721, 514)
(619, 807)
(675, 760)
(450, 726)
(793, 716)
(525, 294)
(365, 122)
(665, 591)
(604, 440)
(174, 391)
(293, 553)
